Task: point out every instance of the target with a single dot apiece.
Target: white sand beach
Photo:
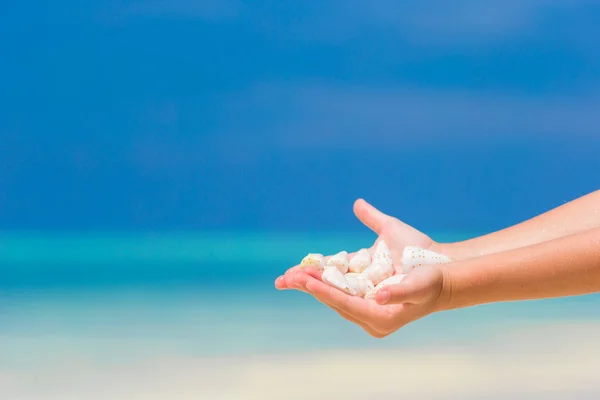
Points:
(553, 360)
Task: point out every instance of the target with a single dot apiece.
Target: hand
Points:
(421, 293)
(377, 320)
(396, 233)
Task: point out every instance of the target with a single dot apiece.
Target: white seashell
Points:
(360, 261)
(318, 260)
(378, 272)
(392, 280)
(359, 283)
(415, 257)
(335, 278)
(340, 260)
(382, 254)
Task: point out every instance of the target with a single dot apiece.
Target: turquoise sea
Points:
(104, 298)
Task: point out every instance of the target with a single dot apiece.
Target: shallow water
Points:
(117, 300)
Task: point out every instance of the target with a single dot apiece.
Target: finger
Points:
(316, 274)
(290, 277)
(296, 278)
(370, 216)
(302, 277)
(313, 271)
(361, 309)
(371, 331)
(280, 283)
(409, 291)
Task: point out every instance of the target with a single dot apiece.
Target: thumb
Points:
(415, 288)
(370, 216)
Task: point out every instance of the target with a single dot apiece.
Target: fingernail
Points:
(278, 281)
(384, 297)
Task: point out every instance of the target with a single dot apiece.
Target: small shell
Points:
(378, 272)
(360, 261)
(392, 280)
(415, 257)
(382, 254)
(335, 278)
(359, 283)
(340, 260)
(314, 259)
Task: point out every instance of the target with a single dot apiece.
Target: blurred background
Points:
(162, 162)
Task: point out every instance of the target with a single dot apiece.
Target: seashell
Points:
(382, 254)
(340, 261)
(415, 257)
(335, 278)
(378, 272)
(318, 260)
(359, 283)
(392, 280)
(360, 261)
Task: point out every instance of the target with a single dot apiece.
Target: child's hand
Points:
(383, 320)
(421, 293)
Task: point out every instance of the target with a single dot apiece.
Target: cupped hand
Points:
(420, 293)
(395, 306)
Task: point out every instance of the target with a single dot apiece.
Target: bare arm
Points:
(565, 266)
(576, 216)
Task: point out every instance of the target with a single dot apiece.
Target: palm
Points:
(420, 293)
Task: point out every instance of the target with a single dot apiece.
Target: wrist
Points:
(457, 251)
(444, 299)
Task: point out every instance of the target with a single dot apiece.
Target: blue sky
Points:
(277, 115)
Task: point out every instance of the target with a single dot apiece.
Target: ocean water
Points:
(118, 298)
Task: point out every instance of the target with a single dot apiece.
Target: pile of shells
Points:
(363, 275)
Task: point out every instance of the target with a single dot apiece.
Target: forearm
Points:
(566, 266)
(576, 216)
